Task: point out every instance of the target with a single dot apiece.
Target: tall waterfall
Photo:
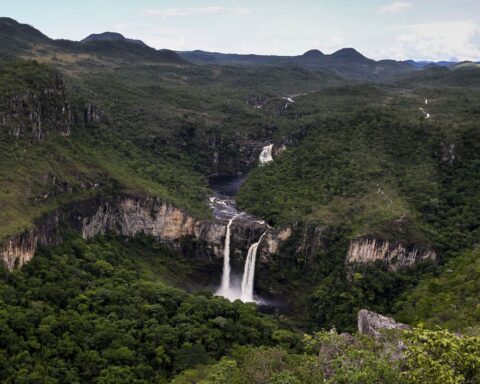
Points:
(266, 154)
(249, 272)
(225, 289)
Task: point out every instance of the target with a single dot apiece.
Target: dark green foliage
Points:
(448, 298)
(361, 160)
(336, 300)
(86, 311)
(329, 358)
(20, 76)
(370, 171)
(441, 357)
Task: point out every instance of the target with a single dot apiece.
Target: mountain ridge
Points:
(346, 62)
(17, 39)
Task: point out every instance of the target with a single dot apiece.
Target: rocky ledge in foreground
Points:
(372, 324)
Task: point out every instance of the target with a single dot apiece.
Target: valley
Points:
(191, 217)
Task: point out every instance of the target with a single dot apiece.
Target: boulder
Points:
(371, 323)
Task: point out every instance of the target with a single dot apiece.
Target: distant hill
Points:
(22, 39)
(111, 36)
(15, 37)
(346, 62)
(109, 48)
(466, 65)
(423, 64)
(459, 75)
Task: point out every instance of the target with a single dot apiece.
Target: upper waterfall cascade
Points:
(266, 154)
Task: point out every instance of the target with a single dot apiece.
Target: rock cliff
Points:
(126, 216)
(395, 254)
(32, 113)
(129, 216)
(37, 104)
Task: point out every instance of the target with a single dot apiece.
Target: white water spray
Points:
(225, 289)
(266, 154)
(427, 115)
(249, 272)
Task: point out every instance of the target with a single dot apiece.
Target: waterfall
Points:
(266, 154)
(249, 272)
(225, 287)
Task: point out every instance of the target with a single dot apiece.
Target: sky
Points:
(405, 29)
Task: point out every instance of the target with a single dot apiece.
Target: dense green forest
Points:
(105, 312)
(354, 157)
(383, 171)
(82, 312)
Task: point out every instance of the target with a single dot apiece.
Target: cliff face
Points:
(233, 156)
(19, 250)
(126, 216)
(34, 112)
(395, 254)
(38, 104)
(204, 239)
(129, 216)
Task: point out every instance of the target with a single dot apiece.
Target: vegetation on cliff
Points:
(37, 174)
(378, 170)
(103, 118)
(449, 298)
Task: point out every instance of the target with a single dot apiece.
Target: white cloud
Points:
(166, 13)
(437, 41)
(395, 7)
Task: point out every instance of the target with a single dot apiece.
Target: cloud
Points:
(166, 13)
(437, 41)
(395, 7)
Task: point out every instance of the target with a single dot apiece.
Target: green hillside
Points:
(396, 160)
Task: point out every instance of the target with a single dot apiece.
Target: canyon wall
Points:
(126, 216)
(129, 216)
(41, 109)
(395, 254)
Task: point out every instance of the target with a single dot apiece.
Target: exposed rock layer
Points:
(395, 254)
(129, 216)
(33, 113)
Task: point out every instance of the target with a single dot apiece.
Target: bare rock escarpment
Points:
(125, 216)
(395, 254)
(129, 216)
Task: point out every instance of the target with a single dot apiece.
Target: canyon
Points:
(132, 215)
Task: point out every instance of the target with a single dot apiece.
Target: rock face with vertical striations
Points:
(132, 215)
(395, 254)
(124, 216)
(36, 104)
(36, 111)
